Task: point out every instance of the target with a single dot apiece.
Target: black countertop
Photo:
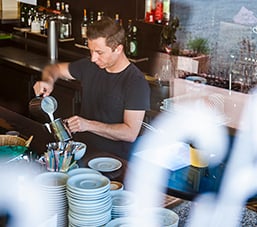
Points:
(30, 61)
(24, 58)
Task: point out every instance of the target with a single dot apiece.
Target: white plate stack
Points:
(124, 221)
(82, 171)
(122, 203)
(164, 217)
(89, 200)
(53, 186)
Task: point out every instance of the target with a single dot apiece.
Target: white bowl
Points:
(78, 149)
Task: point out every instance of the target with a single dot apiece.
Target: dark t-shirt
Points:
(105, 96)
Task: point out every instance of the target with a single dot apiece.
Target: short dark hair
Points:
(107, 28)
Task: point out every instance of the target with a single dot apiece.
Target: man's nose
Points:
(94, 56)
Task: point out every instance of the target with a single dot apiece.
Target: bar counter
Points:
(230, 103)
(227, 102)
(24, 69)
(11, 121)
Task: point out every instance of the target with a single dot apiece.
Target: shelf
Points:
(28, 30)
(149, 23)
(81, 46)
(139, 59)
(134, 60)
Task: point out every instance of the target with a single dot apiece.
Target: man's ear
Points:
(119, 48)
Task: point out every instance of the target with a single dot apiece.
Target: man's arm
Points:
(50, 74)
(57, 71)
(126, 131)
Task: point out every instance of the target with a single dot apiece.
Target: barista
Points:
(115, 94)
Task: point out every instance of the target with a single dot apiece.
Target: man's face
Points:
(101, 54)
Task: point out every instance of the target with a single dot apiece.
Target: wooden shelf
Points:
(81, 46)
(28, 30)
(134, 60)
(139, 59)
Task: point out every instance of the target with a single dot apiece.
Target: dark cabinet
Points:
(15, 91)
(17, 80)
(67, 95)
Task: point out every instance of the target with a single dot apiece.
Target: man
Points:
(115, 94)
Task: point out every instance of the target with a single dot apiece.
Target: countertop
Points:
(227, 102)
(248, 219)
(31, 61)
(24, 58)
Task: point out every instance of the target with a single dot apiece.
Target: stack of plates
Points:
(122, 203)
(165, 217)
(82, 171)
(125, 221)
(89, 200)
(53, 186)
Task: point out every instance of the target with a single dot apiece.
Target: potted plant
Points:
(168, 35)
(197, 46)
(195, 58)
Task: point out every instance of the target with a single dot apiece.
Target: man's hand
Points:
(43, 88)
(77, 124)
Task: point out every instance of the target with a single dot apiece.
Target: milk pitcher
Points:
(42, 108)
(59, 129)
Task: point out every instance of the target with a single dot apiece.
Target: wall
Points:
(213, 20)
(209, 19)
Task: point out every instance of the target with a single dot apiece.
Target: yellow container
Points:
(195, 158)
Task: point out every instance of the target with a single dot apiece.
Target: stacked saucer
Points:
(124, 221)
(53, 187)
(89, 200)
(165, 217)
(122, 203)
(82, 171)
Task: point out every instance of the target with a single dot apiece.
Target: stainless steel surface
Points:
(52, 40)
(46, 104)
(59, 130)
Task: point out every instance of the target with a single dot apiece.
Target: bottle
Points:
(117, 18)
(128, 38)
(166, 11)
(149, 11)
(99, 16)
(158, 15)
(43, 24)
(30, 17)
(69, 19)
(35, 24)
(48, 4)
(91, 19)
(65, 19)
(58, 7)
(133, 43)
(84, 28)
(24, 15)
